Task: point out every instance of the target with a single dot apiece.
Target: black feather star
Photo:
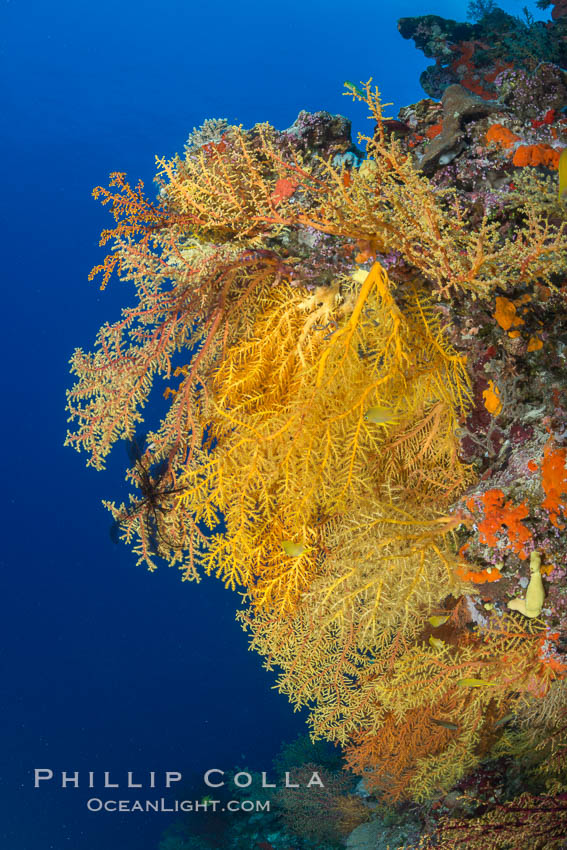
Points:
(150, 509)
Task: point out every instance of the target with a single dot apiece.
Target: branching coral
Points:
(302, 807)
(230, 192)
(294, 446)
(435, 712)
(539, 822)
(540, 737)
(308, 454)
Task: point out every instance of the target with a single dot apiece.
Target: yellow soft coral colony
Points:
(310, 447)
(297, 458)
(297, 454)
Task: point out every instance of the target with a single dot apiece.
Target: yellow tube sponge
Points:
(535, 594)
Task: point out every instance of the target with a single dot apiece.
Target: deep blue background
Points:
(106, 666)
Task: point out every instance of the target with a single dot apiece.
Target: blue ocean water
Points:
(106, 667)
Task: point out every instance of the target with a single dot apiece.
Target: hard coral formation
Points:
(474, 55)
(365, 427)
(459, 107)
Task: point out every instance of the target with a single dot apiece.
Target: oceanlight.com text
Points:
(95, 804)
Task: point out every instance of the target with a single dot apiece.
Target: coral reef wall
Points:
(364, 431)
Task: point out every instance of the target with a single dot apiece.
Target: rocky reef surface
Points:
(495, 116)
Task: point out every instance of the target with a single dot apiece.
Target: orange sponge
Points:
(536, 155)
(501, 136)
